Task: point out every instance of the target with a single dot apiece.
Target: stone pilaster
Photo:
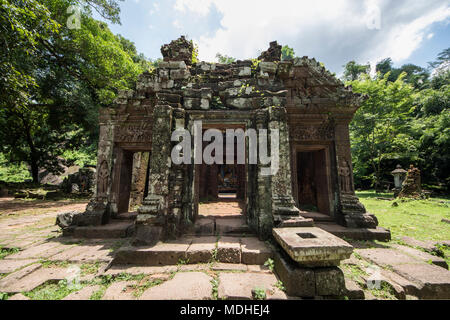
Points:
(353, 213)
(285, 213)
(263, 203)
(152, 215)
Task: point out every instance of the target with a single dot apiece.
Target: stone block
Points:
(329, 281)
(201, 250)
(254, 251)
(298, 281)
(240, 103)
(352, 290)
(177, 65)
(269, 67)
(229, 250)
(312, 246)
(179, 74)
(168, 253)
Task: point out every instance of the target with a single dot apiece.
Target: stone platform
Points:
(193, 250)
(380, 234)
(120, 228)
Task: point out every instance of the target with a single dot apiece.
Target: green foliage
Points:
(194, 53)
(379, 130)
(270, 264)
(7, 251)
(287, 53)
(52, 291)
(354, 70)
(224, 59)
(259, 294)
(55, 79)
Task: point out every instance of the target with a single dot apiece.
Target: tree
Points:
(57, 78)
(379, 130)
(224, 59)
(353, 71)
(441, 72)
(287, 53)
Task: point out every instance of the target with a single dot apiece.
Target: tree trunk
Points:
(33, 155)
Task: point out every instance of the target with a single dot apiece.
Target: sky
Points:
(332, 31)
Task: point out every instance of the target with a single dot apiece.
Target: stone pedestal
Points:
(312, 247)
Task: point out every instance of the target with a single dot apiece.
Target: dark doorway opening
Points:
(132, 180)
(221, 187)
(312, 181)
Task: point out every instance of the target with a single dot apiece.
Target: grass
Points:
(419, 219)
(52, 291)
(4, 252)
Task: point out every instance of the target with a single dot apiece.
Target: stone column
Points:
(263, 202)
(285, 213)
(354, 214)
(151, 221)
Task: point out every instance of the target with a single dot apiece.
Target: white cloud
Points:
(334, 31)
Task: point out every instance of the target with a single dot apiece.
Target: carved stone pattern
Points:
(312, 133)
(134, 133)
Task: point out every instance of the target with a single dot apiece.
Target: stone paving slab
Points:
(254, 251)
(229, 250)
(69, 253)
(424, 256)
(121, 290)
(44, 250)
(387, 257)
(135, 270)
(434, 281)
(183, 286)
(34, 279)
(8, 266)
(352, 290)
(96, 253)
(205, 226)
(410, 288)
(83, 294)
(13, 278)
(239, 286)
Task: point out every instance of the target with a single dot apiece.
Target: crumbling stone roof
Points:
(241, 85)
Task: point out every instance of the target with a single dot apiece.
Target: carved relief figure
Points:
(344, 172)
(102, 184)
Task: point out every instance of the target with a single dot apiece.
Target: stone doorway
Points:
(132, 180)
(221, 187)
(313, 192)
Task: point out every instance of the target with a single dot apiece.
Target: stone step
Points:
(114, 229)
(194, 250)
(127, 216)
(211, 226)
(316, 216)
(380, 234)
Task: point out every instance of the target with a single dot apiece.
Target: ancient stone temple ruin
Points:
(306, 104)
